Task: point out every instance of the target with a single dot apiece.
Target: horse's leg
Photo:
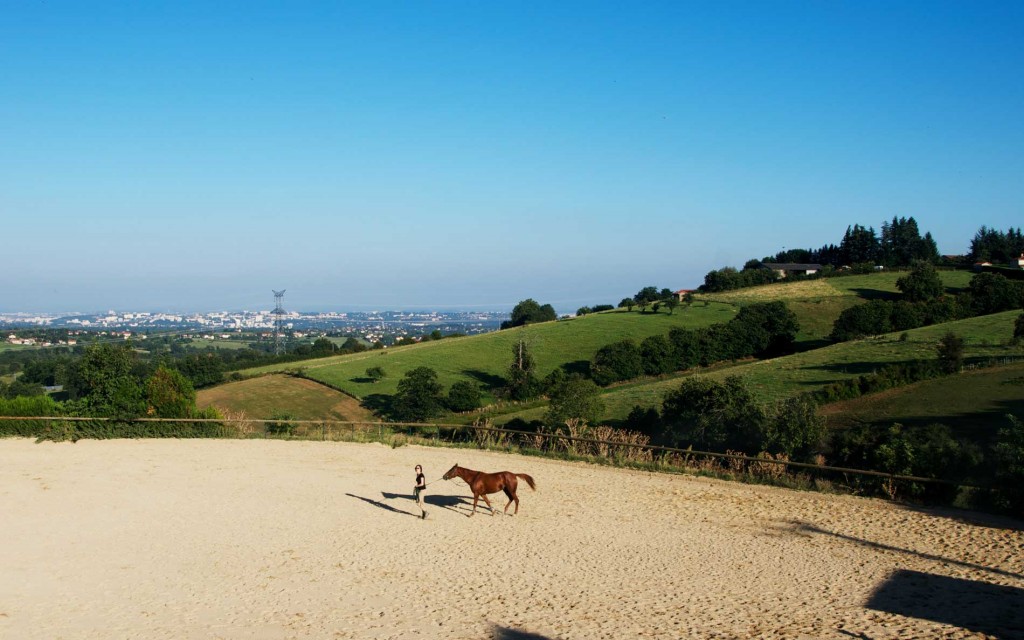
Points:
(510, 490)
(476, 497)
(488, 503)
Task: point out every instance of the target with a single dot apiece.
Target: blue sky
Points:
(196, 155)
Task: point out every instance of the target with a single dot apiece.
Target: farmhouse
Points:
(681, 294)
(787, 269)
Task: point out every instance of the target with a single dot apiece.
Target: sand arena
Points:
(269, 539)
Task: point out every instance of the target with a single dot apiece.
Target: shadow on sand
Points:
(381, 505)
(499, 632)
(982, 607)
(807, 529)
(458, 504)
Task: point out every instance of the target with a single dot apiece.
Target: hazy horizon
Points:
(195, 156)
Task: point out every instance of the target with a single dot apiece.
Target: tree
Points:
(656, 355)
(351, 345)
(859, 245)
(106, 378)
(419, 395)
(463, 396)
(169, 394)
(529, 311)
(671, 302)
(795, 429)
(202, 369)
(323, 346)
(766, 329)
(709, 414)
(992, 293)
(645, 420)
(647, 295)
(375, 374)
(617, 361)
(520, 382)
(951, 352)
(1009, 461)
(869, 319)
(575, 398)
(922, 283)
(628, 303)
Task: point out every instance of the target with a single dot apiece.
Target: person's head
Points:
(419, 469)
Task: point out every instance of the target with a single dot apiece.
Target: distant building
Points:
(1018, 262)
(787, 269)
(683, 292)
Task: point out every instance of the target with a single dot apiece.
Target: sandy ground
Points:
(265, 539)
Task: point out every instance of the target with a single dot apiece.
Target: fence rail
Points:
(555, 436)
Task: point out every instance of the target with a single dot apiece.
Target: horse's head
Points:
(451, 472)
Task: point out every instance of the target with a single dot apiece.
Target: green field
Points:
(974, 403)
(779, 378)
(202, 343)
(7, 346)
(572, 343)
(484, 358)
(817, 303)
(269, 395)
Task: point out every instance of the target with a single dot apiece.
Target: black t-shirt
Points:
(420, 481)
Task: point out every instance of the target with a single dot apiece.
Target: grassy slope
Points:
(484, 358)
(776, 379)
(263, 397)
(817, 303)
(973, 403)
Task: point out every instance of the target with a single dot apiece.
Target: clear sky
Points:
(197, 155)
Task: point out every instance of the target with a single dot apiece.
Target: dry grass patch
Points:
(269, 395)
(801, 290)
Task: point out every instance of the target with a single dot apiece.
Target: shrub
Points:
(463, 396)
(617, 361)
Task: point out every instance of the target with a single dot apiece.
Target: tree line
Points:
(926, 303)
(861, 249)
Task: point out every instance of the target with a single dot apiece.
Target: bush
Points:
(27, 406)
(463, 396)
(617, 361)
(1009, 463)
(576, 398)
(281, 428)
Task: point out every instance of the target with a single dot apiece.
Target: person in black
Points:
(421, 486)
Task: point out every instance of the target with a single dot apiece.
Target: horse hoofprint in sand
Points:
(481, 484)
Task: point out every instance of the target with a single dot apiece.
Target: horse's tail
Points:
(529, 480)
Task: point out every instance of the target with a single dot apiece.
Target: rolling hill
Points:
(779, 378)
(571, 343)
(267, 396)
(484, 358)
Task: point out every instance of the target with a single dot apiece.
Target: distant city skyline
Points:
(195, 156)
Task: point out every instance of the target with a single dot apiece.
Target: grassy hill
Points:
(571, 343)
(817, 303)
(484, 358)
(974, 403)
(779, 378)
(269, 395)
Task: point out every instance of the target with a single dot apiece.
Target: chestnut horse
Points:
(481, 484)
